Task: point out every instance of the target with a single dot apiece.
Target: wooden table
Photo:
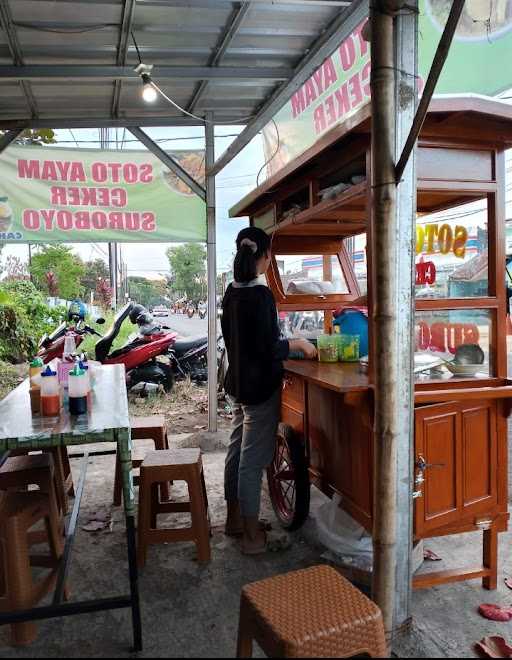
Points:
(107, 421)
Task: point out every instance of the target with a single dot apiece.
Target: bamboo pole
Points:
(384, 233)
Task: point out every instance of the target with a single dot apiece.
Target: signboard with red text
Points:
(74, 195)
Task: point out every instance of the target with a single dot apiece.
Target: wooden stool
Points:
(20, 472)
(143, 428)
(63, 477)
(19, 512)
(174, 465)
(314, 613)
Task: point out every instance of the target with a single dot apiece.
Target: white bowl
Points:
(464, 369)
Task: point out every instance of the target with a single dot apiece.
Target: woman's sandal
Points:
(273, 543)
(237, 532)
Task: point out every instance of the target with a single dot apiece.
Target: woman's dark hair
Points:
(252, 243)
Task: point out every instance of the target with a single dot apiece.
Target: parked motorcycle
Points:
(185, 357)
(138, 355)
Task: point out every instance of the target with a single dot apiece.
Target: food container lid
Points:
(48, 372)
(37, 362)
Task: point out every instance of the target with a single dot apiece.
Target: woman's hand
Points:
(303, 346)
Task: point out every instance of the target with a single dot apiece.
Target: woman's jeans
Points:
(251, 451)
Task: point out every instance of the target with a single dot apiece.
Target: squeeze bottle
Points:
(50, 393)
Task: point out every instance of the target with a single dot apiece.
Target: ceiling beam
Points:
(340, 29)
(109, 122)
(91, 72)
(235, 21)
(16, 53)
(217, 4)
(224, 4)
(169, 162)
(9, 137)
(122, 50)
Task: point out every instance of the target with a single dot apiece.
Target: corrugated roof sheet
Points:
(270, 39)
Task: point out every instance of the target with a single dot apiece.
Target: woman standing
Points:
(254, 383)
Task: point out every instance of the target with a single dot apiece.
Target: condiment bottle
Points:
(85, 367)
(66, 364)
(35, 369)
(50, 393)
(78, 390)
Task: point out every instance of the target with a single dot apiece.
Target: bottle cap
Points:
(83, 366)
(76, 371)
(37, 362)
(48, 372)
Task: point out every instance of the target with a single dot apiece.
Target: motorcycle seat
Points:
(188, 344)
(105, 343)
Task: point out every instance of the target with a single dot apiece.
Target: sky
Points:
(233, 183)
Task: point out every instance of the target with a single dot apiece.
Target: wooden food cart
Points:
(318, 210)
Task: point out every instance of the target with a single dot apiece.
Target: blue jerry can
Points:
(354, 322)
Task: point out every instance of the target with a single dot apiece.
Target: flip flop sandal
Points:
(273, 543)
(237, 532)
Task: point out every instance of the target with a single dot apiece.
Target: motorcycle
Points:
(191, 310)
(138, 355)
(185, 357)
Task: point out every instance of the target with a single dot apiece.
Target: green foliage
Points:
(36, 137)
(188, 270)
(67, 268)
(148, 292)
(94, 270)
(24, 318)
(127, 329)
(9, 379)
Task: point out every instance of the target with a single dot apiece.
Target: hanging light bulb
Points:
(149, 93)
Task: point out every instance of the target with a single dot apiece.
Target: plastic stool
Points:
(143, 428)
(19, 512)
(173, 465)
(314, 613)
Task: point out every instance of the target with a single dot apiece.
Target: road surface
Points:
(185, 327)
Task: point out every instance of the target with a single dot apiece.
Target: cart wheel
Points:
(288, 480)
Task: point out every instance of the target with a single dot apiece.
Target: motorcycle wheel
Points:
(288, 480)
(161, 374)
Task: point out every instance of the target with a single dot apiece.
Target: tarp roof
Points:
(75, 58)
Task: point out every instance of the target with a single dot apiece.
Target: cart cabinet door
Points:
(456, 455)
(480, 456)
(438, 447)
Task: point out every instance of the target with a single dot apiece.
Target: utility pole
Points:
(112, 264)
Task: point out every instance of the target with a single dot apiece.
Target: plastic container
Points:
(78, 390)
(327, 348)
(35, 369)
(50, 393)
(354, 322)
(348, 348)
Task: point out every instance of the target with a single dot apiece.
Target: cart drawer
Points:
(293, 391)
(293, 419)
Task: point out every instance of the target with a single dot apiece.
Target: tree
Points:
(104, 293)
(148, 292)
(15, 269)
(37, 137)
(94, 271)
(66, 270)
(188, 270)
